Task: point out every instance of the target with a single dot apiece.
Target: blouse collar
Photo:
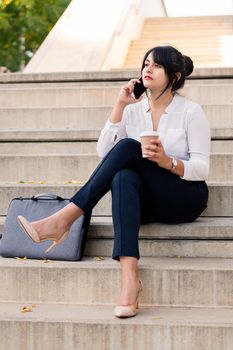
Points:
(170, 108)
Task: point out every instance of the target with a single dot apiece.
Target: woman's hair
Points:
(173, 62)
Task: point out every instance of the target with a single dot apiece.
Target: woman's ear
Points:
(178, 74)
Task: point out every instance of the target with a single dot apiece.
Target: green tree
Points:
(24, 24)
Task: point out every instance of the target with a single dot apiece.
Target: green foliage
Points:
(24, 24)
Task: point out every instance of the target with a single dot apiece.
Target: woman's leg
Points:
(128, 193)
(126, 153)
(129, 280)
(56, 224)
(129, 196)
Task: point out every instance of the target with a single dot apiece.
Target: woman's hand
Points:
(125, 96)
(156, 153)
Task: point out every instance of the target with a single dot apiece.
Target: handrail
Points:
(164, 8)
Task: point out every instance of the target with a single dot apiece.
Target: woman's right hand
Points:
(125, 95)
(124, 98)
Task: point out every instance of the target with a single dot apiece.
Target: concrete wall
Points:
(93, 35)
(152, 8)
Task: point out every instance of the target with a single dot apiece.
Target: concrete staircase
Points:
(206, 39)
(49, 127)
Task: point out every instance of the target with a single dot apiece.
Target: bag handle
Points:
(47, 196)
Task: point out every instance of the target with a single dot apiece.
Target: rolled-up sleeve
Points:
(110, 135)
(198, 135)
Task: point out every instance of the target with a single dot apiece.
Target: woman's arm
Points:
(157, 154)
(114, 129)
(198, 135)
(198, 139)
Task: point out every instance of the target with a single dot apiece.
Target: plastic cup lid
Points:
(149, 133)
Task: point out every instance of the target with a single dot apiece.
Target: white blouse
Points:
(183, 130)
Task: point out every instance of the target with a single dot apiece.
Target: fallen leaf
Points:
(18, 258)
(26, 309)
(98, 258)
(74, 182)
(46, 261)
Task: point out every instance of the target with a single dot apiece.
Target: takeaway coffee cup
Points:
(146, 136)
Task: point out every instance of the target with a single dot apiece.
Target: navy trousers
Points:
(142, 192)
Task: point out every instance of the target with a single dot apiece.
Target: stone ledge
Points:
(204, 228)
(169, 281)
(81, 135)
(220, 200)
(114, 75)
(100, 314)
(80, 327)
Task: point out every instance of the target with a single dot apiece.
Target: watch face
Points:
(174, 163)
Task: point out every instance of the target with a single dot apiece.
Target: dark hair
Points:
(173, 62)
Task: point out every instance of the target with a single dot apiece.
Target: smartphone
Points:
(139, 88)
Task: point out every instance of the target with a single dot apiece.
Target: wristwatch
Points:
(174, 164)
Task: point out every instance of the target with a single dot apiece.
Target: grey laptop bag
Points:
(15, 243)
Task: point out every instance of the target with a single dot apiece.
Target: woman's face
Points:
(153, 75)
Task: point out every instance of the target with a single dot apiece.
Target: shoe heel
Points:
(63, 238)
(51, 247)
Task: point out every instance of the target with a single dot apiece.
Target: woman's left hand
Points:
(156, 153)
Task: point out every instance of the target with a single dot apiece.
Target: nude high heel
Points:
(129, 310)
(31, 232)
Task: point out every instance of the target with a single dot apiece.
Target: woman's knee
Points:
(128, 144)
(126, 177)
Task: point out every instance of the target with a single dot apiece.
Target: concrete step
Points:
(204, 228)
(193, 48)
(59, 327)
(80, 96)
(103, 76)
(190, 20)
(55, 135)
(198, 38)
(87, 117)
(168, 281)
(220, 196)
(182, 35)
(80, 147)
(205, 238)
(62, 167)
(59, 118)
(188, 41)
(222, 146)
(62, 135)
(172, 248)
(36, 148)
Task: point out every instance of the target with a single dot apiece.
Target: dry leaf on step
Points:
(98, 258)
(26, 309)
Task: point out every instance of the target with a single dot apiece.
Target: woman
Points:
(168, 186)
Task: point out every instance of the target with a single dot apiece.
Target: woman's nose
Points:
(149, 69)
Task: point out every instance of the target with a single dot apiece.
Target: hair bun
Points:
(188, 63)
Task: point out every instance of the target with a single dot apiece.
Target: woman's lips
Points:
(147, 77)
